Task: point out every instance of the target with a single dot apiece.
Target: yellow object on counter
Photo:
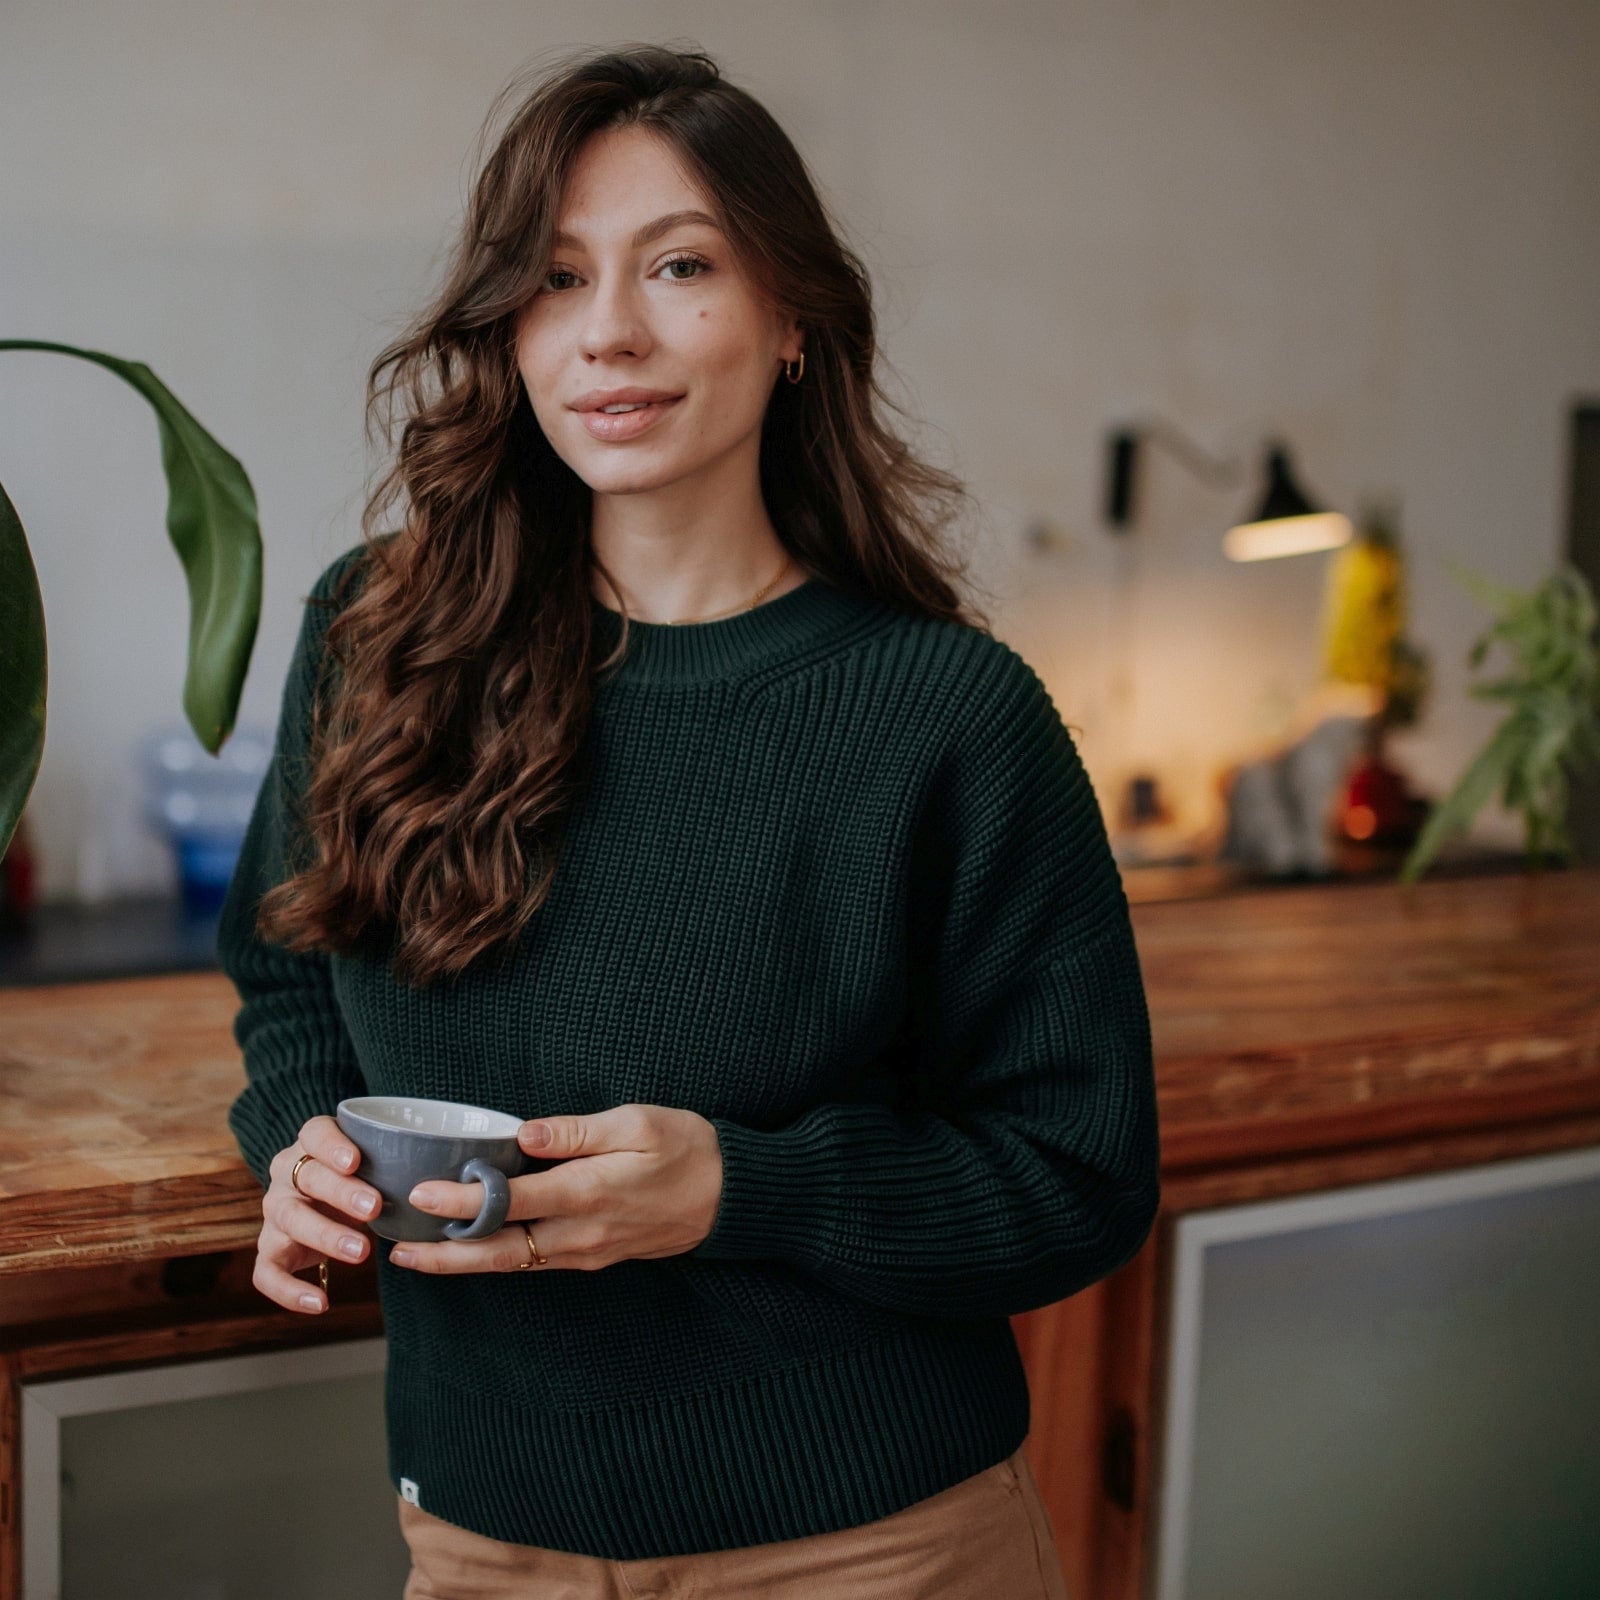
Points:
(1363, 611)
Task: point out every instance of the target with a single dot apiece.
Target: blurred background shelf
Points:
(153, 934)
(68, 943)
(1188, 879)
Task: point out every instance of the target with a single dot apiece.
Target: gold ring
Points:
(294, 1183)
(533, 1250)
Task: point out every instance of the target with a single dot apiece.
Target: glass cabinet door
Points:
(1390, 1390)
(241, 1478)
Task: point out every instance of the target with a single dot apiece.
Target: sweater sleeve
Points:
(1022, 1163)
(299, 1059)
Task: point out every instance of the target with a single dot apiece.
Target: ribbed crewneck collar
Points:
(691, 652)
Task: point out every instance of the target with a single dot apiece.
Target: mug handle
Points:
(496, 1201)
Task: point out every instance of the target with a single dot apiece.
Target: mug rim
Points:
(351, 1107)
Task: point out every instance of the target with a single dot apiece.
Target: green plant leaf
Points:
(1498, 689)
(22, 671)
(1492, 594)
(1552, 719)
(212, 524)
(1455, 812)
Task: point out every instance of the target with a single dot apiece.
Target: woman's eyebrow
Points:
(650, 230)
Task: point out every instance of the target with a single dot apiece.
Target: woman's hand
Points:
(635, 1181)
(299, 1232)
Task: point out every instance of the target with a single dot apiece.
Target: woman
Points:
(660, 791)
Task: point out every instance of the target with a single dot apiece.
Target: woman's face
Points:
(629, 301)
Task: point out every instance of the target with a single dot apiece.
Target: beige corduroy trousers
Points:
(983, 1538)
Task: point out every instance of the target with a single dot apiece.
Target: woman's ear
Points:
(791, 339)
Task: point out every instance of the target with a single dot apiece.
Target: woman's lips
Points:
(626, 424)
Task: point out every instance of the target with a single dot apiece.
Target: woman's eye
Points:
(689, 259)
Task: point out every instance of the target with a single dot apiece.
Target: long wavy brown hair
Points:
(449, 750)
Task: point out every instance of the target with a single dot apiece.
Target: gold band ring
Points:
(294, 1183)
(533, 1250)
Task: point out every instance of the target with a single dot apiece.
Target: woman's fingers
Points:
(333, 1155)
(304, 1224)
(320, 1177)
(504, 1251)
(572, 1189)
(577, 1243)
(278, 1258)
(296, 1232)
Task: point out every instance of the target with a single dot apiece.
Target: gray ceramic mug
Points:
(405, 1141)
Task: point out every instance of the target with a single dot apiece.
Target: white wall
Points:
(1371, 228)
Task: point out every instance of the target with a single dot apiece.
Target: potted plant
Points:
(1552, 721)
(211, 521)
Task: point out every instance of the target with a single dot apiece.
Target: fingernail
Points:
(422, 1199)
(351, 1246)
(310, 1302)
(401, 1258)
(366, 1203)
(346, 1160)
(539, 1135)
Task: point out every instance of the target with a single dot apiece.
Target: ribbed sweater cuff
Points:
(765, 1176)
(262, 1127)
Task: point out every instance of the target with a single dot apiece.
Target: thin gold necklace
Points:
(748, 605)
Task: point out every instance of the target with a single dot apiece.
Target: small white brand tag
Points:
(408, 1491)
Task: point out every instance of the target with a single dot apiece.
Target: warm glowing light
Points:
(1287, 536)
(1360, 822)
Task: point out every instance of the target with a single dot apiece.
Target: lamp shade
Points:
(1286, 522)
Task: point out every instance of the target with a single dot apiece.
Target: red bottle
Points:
(19, 892)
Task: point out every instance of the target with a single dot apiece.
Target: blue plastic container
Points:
(201, 804)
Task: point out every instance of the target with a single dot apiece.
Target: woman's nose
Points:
(616, 322)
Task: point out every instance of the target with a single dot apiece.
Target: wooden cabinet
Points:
(1309, 1041)
(127, 1221)
(1325, 1043)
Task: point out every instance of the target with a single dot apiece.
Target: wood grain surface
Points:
(1320, 1018)
(1286, 1022)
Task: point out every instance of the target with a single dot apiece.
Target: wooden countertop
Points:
(1311, 1019)
(1286, 1022)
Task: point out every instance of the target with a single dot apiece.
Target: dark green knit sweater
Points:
(839, 883)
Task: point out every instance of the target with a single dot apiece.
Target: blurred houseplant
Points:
(211, 521)
(1552, 721)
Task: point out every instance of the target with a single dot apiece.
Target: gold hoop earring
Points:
(798, 367)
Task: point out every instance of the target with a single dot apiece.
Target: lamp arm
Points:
(1123, 458)
(1223, 473)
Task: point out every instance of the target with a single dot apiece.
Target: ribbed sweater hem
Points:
(832, 1444)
